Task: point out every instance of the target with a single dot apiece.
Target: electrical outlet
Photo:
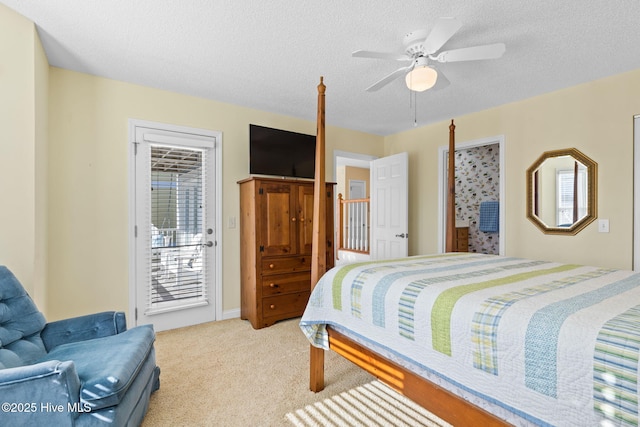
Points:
(232, 222)
(603, 225)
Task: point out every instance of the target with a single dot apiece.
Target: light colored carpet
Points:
(228, 374)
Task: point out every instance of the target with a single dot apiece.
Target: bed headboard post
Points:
(319, 241)
(451, 199)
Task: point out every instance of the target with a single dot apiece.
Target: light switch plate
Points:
(603, 225)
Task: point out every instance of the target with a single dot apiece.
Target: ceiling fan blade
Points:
(489, 51)
(388, 79)
(444, 29)
(379, 55)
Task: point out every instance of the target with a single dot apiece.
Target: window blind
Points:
(176, 212)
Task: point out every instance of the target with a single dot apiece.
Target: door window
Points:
(175, 227)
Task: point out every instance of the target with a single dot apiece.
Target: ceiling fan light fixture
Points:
(421, 78)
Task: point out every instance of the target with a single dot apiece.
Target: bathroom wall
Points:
(477, 172)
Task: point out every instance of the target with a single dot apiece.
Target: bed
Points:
(481, 339)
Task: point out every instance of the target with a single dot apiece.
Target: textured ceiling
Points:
(269, 55)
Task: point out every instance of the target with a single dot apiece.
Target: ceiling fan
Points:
(422, 49)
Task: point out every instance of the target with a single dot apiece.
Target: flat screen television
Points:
(281, 153)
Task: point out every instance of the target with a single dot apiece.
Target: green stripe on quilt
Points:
(338, 279)
(443, 306)
(406, 306)
(384, 283)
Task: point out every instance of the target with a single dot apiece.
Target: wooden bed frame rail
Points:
(430, 396)
(444, 404)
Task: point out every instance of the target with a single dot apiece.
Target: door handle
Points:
(403, 235)
(209, 243)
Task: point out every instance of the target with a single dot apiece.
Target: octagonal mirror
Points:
(561, 191)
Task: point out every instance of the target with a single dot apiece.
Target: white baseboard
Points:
(230, 314)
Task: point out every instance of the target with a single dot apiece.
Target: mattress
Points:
(541, 342)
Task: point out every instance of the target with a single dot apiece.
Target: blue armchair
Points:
(85, 371)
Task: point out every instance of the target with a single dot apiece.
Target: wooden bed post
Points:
(451, 199)
(319, 241)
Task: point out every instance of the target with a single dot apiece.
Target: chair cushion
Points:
(20, 324)
(107, 366)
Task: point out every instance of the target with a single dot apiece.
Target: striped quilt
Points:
(554, 344)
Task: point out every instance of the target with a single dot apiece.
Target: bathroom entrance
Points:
(479, 195)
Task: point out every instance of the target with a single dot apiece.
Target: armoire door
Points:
(305, 218)
(277, 219)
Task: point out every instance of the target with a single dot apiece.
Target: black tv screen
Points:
(281, 153)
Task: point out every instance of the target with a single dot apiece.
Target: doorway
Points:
(175, 258)
(342, 160)
(388, 186)
(479, 158)
(357, 189)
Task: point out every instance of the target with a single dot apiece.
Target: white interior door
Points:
(357, 189)
(389, 207)
(175, 228)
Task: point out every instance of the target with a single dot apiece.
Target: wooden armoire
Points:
(276, 226)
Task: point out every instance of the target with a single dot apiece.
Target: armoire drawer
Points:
(289, 305)
(278, 265)
(285, 283)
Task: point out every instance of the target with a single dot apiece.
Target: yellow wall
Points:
(64, 170)
(41, 267)
(23, 120)
(340, 181)
(596, 118)
(88, 187)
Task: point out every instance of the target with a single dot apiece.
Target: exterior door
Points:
(389, 207)
(175, 232)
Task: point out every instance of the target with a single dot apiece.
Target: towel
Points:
(489, 216)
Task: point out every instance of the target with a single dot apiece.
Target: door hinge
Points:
(261, 248)
(135, 231)
(260, 191)
(135, 314)
(135, 148)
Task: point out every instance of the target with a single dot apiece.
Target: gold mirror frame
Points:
(592, 192)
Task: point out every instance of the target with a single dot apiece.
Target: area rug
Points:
(372, 404)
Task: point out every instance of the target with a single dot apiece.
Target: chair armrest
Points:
(46, 393)
(83, 328)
